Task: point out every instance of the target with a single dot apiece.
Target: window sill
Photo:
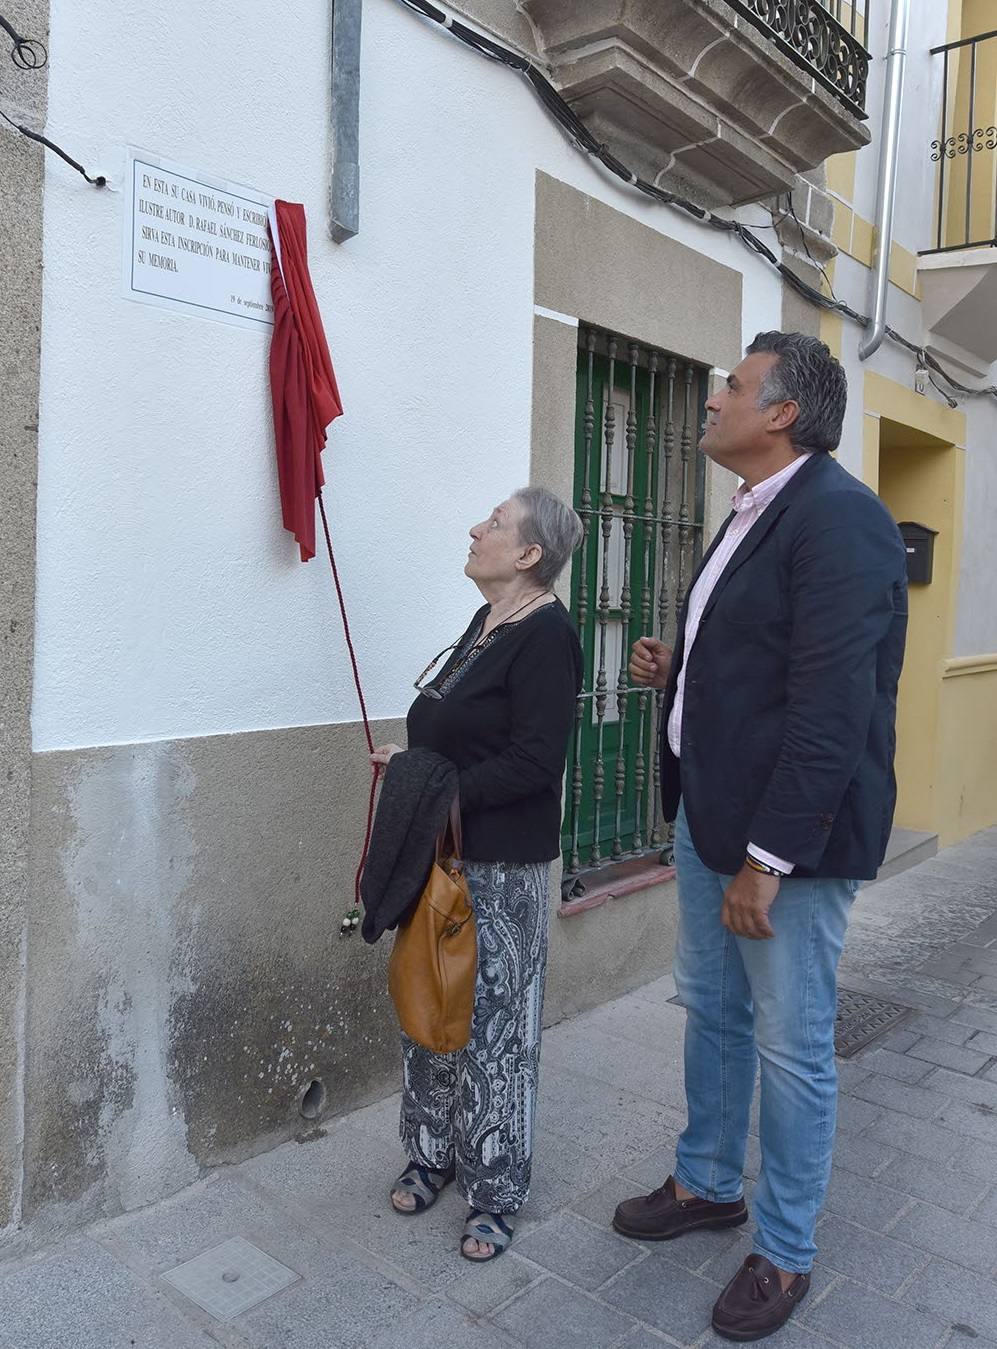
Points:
(615, 882)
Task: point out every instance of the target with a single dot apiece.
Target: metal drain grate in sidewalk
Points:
(861, 1019)
(231, 1278)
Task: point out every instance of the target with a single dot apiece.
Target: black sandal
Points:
(493, 1228)
(422, 1184)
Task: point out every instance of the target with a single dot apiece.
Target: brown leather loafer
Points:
(753, 1304)
(662, 1216)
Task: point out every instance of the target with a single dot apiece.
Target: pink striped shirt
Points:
(748, 503)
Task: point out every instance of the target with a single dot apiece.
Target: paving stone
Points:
(938, 1028)
(157, 1239)
(651, 1171)
(982, 935)
(347, 1304)
(342, 1183)
(865, 1156)
(962, 1087)
(863, 1201)
(986, 1210)
(957, 1057)
(855, 1115)
(753, 1157)
(616, 1062)
(981, 959)
(618, 1124)
(975, 1158)
(899, 1040)
(485, 1287)
(967, 1117)
(959, 1239)
(793, 1335)
(961, 976)
(856, 1315)
(930, 996)
(900, 1096)
(962, 1297)
(873, 1259)
(850, 1073)
(578, 1251)
(979, 1018)
(697, 1249)
(659, 990)
(428, 1327)
(988, 982)
(550, 1315)
(923, 1138)
(599, 1205)
(899, 1066)
(985, 1042)
(666, 1296)
(658, 1025)
(922, 1180)
(83, 1297)
(561, 1170)
(642, 1338)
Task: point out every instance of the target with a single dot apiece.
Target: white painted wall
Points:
(170, 602)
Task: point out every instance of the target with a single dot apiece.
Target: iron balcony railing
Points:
(827, 38)
(639, 490)
(966, 150)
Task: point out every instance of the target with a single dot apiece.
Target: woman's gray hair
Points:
(553, 526)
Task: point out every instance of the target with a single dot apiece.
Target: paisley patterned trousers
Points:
(474, 1109)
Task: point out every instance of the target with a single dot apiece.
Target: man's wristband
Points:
(763, 867)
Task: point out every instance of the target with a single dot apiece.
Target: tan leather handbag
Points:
(434, 961)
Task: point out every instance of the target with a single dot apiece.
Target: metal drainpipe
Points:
(887, 188)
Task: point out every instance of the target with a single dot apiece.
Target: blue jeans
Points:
(772, 1001)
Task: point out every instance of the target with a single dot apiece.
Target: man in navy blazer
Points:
(777, 747)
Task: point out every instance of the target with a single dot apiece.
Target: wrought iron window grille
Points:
(639, 489)
(967, 188)
(827, 38)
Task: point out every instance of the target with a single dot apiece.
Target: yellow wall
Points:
(920, 482)
(968, 757)
(913, 456)
(974, 17)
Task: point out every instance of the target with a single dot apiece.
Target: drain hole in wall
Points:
(313, 1101)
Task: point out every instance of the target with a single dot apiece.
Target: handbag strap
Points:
(451, 828)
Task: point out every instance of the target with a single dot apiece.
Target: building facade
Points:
(184, 809)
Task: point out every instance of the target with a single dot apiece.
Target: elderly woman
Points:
(501, 709)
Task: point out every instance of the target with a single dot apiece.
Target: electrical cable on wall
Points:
(584, 140)
(31, 54)
(28, 53)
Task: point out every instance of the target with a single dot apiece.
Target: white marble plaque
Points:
(196, 243)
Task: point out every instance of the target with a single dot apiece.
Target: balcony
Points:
(959, 272)
(725, 100)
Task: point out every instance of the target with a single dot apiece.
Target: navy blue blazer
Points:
(789, 712)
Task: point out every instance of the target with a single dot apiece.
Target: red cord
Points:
(363, 703)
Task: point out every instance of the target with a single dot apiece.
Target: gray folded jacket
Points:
(418, 788)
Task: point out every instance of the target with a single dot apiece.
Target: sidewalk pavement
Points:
(908, 1240)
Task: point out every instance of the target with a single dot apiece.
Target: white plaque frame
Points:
(205, 237)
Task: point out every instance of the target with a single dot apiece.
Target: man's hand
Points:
(746, 904)
(650, 661)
